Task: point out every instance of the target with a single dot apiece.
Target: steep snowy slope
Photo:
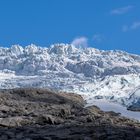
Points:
(113, 75)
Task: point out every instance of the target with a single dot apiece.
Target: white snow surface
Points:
(111, 75)
(109, 106)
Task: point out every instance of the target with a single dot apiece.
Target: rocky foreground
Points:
(39, 114)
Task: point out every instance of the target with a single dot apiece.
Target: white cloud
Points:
(133, 26)
(98, 38)
(122, 10)
(80, 42)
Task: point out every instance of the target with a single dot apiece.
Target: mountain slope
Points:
(113, 75)
(40, 114)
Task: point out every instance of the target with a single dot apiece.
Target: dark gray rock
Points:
(134, 107)
(40, 114)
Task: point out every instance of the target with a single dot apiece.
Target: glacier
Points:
(112, 75)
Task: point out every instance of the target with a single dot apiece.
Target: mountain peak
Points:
(62, 49)
(88, 71)
(17, 49)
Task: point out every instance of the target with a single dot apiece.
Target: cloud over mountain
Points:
(80, 42)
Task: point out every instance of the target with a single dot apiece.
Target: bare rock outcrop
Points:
(40, 114)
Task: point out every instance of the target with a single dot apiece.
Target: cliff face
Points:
(36, 114)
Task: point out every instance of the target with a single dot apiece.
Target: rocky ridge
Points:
(41, 114)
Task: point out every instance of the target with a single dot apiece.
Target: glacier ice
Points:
(112, 75)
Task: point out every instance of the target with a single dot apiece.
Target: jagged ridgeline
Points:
(113, 75)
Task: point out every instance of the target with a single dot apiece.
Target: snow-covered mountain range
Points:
(113, 75)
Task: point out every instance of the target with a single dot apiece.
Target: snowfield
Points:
(95, 74)
(109, 106)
